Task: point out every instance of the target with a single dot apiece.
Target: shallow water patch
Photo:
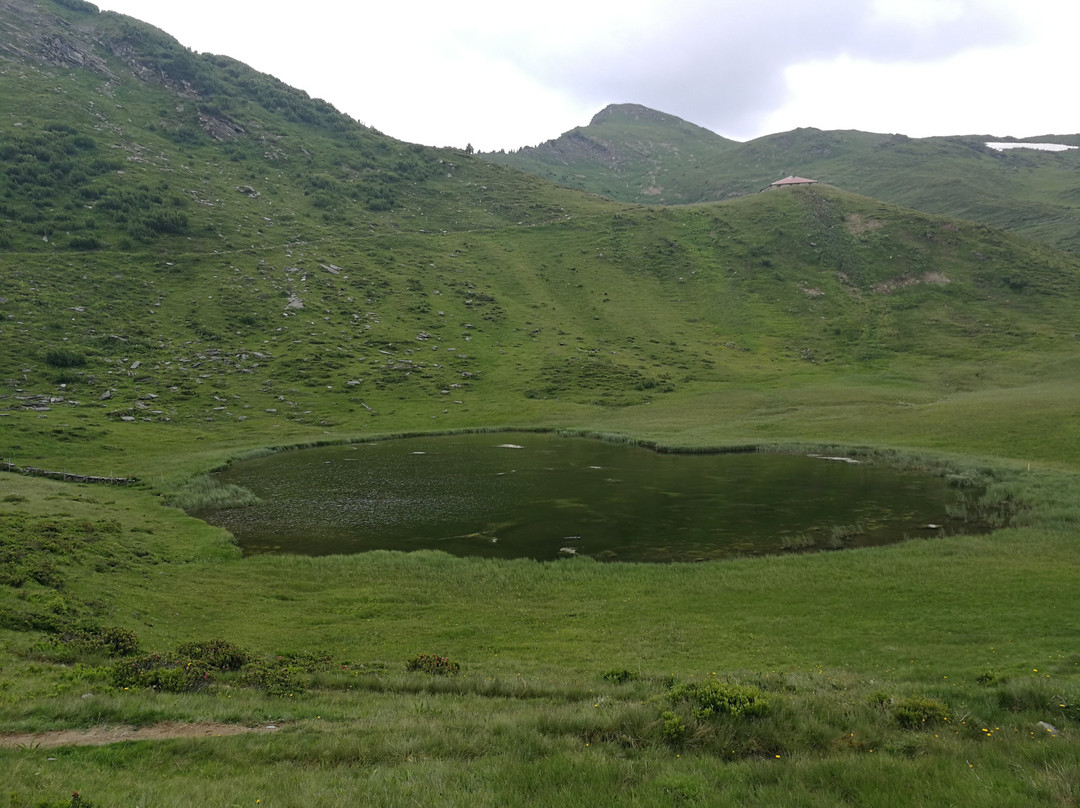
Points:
(545, 497)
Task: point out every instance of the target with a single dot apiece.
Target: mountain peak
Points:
(638, 112)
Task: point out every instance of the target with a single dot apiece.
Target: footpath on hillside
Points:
(100, 736)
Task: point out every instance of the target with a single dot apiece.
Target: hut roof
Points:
(793, 180)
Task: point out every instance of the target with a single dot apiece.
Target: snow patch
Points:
(1037, 146)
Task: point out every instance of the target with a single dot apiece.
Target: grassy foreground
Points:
(824, 679)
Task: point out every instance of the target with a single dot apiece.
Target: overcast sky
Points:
(501, 75)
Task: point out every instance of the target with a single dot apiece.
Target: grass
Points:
(609, 748)
(205, 492)
(912, 624)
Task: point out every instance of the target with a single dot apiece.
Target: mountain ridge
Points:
(1035, 194)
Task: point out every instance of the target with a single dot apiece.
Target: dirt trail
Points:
(99, 736)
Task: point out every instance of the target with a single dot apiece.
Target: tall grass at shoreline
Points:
(204, 492)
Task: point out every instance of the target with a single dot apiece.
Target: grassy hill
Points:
(628, 152)
(669, 161)
(198, 262)
(607, 309)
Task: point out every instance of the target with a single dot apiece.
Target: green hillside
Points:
(628, 152)
(143, 142)
(199, 263)
(1034, 193)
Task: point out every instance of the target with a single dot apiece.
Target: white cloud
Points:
(1015, 90)
(504, 76)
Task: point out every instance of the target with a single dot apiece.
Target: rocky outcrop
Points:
(220, 128)
(46, 38)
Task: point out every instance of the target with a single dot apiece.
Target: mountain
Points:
(187, 240)
(633, 154)
(116, 136)
(627, 152)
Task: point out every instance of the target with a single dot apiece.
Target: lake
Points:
(542, 496)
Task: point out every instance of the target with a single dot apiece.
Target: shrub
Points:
(276, 677)
(285, 674)
(190, 666)
(217, 654)
(64, 358)
(715, 698)
(161, 673)
(18, 620)
(434, 665)
(67, 377)
(110, 640)
(617, 676)
(918, 711)
(165, 221)
(44, 572)
(879, 699)
(673, 729)
(307, 661)
(84, 243)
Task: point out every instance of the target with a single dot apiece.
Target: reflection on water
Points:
(545, 497)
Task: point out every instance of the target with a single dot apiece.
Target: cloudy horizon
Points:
(498, 78)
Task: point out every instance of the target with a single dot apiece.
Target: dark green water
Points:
(546, 497)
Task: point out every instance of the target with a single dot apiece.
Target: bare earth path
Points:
(99, 736)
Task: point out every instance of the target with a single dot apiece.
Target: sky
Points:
(498, 75)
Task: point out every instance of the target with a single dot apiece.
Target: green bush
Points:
(879, 699)
(434, 665)
(154, 671)
(84, 243)
(65, 358)
(277, 677)
(193, 666)
(190, 666)
(165, 221)
(617, 676)
(285, 674)
(21, 620)
(673, 729)
(714, 698)
(919, 711)
(110, 640)
(307, 661)
(217, 654)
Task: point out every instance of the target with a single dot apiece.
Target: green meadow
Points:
(210, 265)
